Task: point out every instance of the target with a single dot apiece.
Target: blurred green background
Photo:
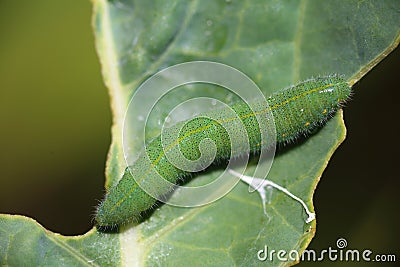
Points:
(54, 113)
(55, 131)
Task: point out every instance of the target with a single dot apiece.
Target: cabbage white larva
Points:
(296, 110)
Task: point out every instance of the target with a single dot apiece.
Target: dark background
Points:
(55, 131)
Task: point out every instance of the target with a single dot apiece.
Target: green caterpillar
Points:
(296, 111)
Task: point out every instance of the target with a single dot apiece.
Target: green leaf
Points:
(276, 43)
(24, 242)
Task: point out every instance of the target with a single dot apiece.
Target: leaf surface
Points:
(276, 43)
